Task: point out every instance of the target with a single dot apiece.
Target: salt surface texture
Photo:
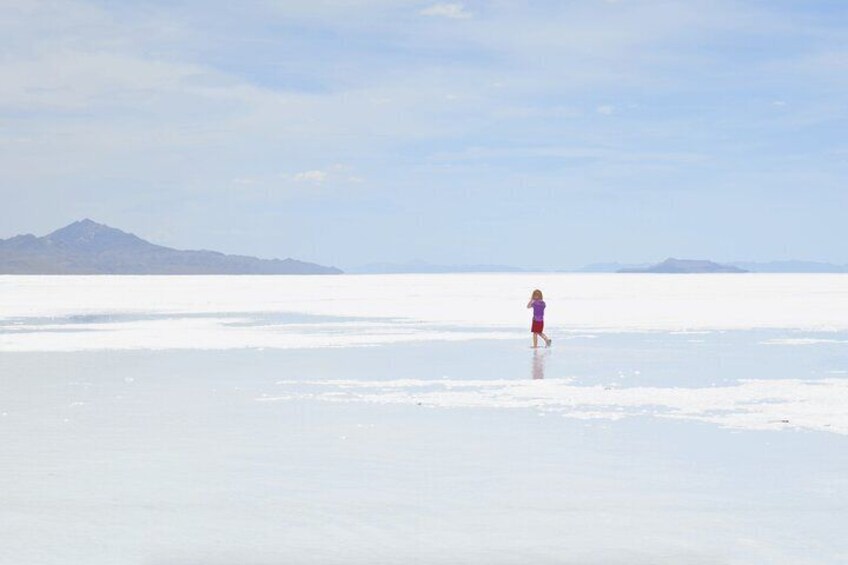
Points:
(202, 312)
(677, 419)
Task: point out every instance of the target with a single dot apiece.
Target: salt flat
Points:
(385, 419)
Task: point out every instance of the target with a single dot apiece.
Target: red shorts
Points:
(537, 327)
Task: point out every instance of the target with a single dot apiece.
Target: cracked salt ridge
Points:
(752, 404)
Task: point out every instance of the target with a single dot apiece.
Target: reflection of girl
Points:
(538, 306)
(539, 358)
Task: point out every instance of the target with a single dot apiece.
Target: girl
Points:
(538, 306)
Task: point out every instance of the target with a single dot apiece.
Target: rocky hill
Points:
(86, 247)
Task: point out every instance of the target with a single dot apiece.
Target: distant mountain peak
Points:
(84, 226)
(88, 235)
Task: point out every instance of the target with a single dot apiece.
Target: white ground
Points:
(218, 420)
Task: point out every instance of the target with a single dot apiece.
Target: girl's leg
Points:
(535, 340)
(546, 338)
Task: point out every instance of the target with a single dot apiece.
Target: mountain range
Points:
(86, 247)
(669, 266)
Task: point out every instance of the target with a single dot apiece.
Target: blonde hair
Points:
(537, 294)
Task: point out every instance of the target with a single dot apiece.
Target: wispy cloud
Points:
(171, 104)
(447, 10)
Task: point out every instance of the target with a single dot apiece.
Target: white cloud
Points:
(314, 177)
(606, 110)
(336, 174)
(445, 10)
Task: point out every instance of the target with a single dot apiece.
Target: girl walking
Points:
(538, 306)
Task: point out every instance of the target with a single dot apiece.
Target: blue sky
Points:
(548, 134)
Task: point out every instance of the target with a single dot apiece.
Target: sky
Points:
(530, 133)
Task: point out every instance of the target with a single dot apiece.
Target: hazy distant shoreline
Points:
(88, 248)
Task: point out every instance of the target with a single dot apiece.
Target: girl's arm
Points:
(530, 304)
